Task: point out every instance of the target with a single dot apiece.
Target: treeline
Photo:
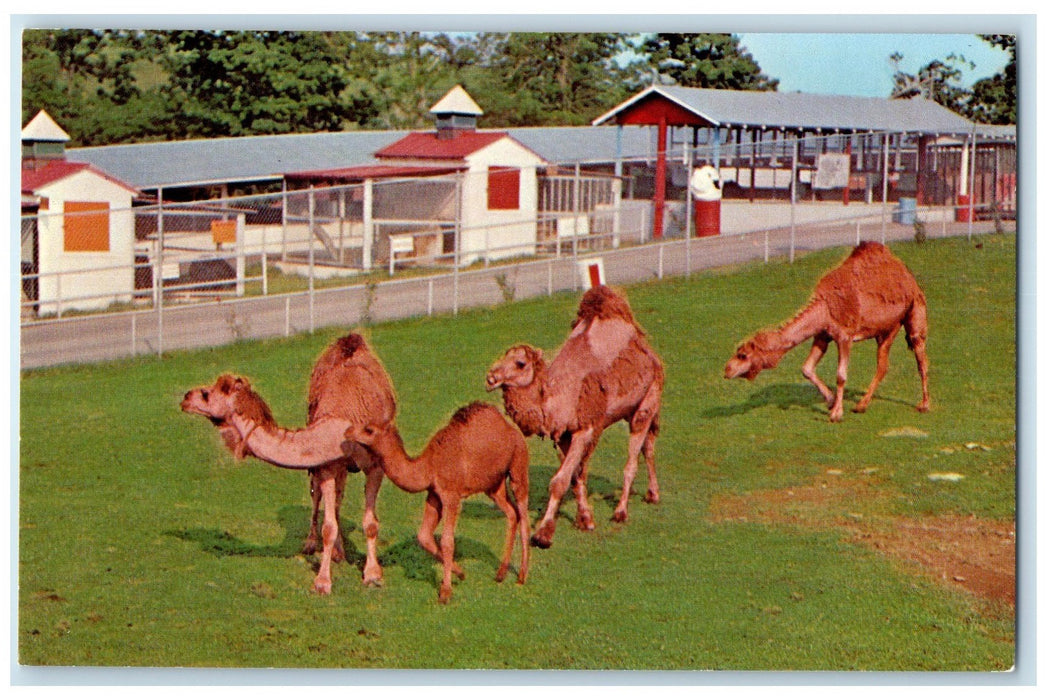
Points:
(119, 86)
(111, 86)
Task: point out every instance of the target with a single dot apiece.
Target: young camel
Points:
(871, 294)
(347, 385)
(477, 451)
(605, 372)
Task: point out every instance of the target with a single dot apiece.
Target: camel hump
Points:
(604, 303)
(467, 413)
(349, 344)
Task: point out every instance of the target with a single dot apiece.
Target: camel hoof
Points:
(923, 408)
(652, 498)
(541, 542)
(500, 576)
(584, 521)
(310, 546)
(322, 587)
(620, 516)
(859, 409)
(373, 578)
(445, 594)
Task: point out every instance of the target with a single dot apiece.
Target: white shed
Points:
(499, 196)
(80, 244)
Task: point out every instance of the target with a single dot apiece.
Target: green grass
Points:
(143, 543)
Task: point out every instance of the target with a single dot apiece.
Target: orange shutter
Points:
(223, 231)
(87, 227)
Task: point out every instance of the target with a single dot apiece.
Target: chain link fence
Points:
(214, 272)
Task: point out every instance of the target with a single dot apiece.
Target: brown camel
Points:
(605, 372)
(348, 385)
(870, 295)
(478, 451)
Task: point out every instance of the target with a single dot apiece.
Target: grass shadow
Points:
(780, 396)
(295, 521)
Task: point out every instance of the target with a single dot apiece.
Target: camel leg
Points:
(653, 493)
(916, 331)
(518, 473)
(883, 352)
(836, 412)
(312, 541)
(451, 506)
(639, 426)
(558, 485)
(584, 518)
(430, 519)
(372, 569)
(498, 495)
(322, 582)
(818, 348)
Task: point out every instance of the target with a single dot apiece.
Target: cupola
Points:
(455, 113)
(43, 141)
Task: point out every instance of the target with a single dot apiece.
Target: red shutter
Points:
(503, 188)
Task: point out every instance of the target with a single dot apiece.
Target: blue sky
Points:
(857, 64)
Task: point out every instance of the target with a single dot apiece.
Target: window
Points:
(87, 227)
(503, 188)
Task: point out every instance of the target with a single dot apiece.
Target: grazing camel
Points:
(870, 295)
(605, 372)
(348, 385)
(477, 451)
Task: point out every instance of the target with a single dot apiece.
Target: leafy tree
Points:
(240, 83)
(704, 61)
(994, 100)
(939, 81)
(531, 78)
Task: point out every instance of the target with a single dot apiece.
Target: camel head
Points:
(518, 367)
(752, 357)
(218, 403)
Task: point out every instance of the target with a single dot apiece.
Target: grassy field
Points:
(143, 543)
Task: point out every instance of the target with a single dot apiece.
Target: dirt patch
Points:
(975, 554)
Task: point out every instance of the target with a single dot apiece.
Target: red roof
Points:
(55, 170)
(427, 145)
(371, 172)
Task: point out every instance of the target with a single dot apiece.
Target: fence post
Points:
(429, 303)
(312, 284)
(287, 317)
(265, 272)
(792, 200)
(661, 260)
(134, 334)
(886, 171)
(160, 272)
(550, 277)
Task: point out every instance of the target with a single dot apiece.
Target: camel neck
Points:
(408, 473)
(806, 324)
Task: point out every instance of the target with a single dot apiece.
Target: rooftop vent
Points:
(456, 112)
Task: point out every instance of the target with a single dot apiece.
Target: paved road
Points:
(99, 338)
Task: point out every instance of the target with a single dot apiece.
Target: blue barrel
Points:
(906, 211)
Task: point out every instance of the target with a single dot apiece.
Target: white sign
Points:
(834, 171)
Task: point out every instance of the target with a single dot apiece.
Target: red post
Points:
(659, 180)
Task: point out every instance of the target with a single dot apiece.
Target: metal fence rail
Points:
(108, 336)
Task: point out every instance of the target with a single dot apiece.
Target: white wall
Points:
(514, 232)
(91, 277)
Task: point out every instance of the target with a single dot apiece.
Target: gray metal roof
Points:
(795, 110)
(252, 158)
(148, 166)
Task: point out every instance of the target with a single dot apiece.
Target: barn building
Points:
(81, 226)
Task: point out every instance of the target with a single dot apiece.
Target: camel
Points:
(348, 385)
(871, 294)
(605, 372)
(478, 451)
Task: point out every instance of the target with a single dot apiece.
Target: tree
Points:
(539, 78)
(994, 100)
(939, 81)
(246, 82)
(704, 61)
(991, 100)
